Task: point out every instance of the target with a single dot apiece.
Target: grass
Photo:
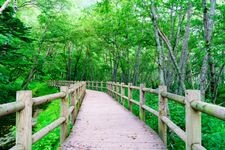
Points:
(213, 129)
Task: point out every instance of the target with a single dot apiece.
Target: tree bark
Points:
(208, 30)
(184, 53)
(69, 62)
(137, 65)
(158, 44)
(169, 46)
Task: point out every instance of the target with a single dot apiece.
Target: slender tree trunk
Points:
(208, 30)
(158, 45)
(137, 65)
(69, 62)
(184, 53)
(169, 46)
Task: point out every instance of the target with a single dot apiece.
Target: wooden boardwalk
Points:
(103, 124)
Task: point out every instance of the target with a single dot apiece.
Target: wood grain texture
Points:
(103, 124)
(24, 120)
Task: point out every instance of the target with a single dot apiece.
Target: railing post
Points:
(113, 89)
(87, 84)
(142, 102)
(77, 98)
(162, 112)
(117, 91)
(73, 103)
(122, 92)
(92, 87)
(110, 88)
(129, 96)
(107, 87)
(64, 112)
(24, 120)
(101, 86)
(193, 119)
(96, 84)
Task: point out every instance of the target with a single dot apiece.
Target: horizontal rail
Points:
(174, 128)
(125, 86)
(10, 108)
(37, 136)
(210, 109)
(154, 112)
(125, 97)
(153, 91)
(17, 147)
(71, 90)
(177, 98)
(133, 101)
(135, 87)
(71, 109)
(47, 98)
(198, 147)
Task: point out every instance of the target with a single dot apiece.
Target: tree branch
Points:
(4, 6)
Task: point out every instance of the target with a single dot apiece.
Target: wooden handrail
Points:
(191, 101)
(23, 108)
(10, 108)
(210, 109)
(48, 98)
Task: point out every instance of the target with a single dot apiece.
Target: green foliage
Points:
(110, 40)
(213, 130)
(50, 141)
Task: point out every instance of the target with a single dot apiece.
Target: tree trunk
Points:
(137, 65)
(184, 53)
(158, 45)
(208, 29)
(69, 62)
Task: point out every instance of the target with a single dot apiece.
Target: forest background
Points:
(177, 43)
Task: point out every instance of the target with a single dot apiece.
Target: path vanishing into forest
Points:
(102, 123)
(101, 114)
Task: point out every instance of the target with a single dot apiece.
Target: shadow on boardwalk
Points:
(103, 124)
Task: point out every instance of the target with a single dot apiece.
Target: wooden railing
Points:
(23, 107)
(191, 101)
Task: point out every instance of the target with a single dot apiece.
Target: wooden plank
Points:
(24, 120)
(162, 112)
(10, 108)
(193, 119)
(104, 124)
